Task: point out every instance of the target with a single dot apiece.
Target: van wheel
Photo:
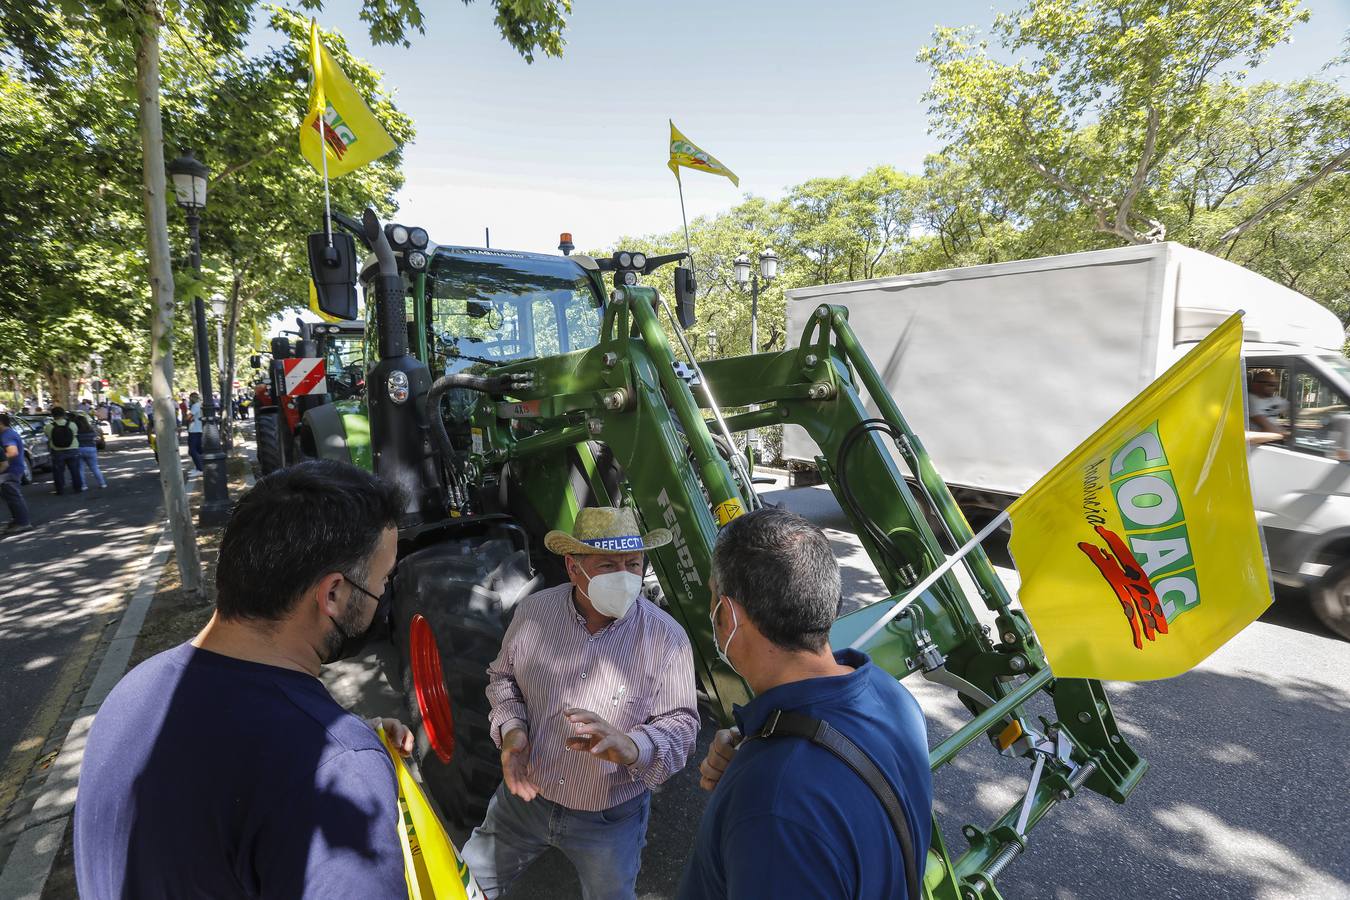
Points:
(1331, 599)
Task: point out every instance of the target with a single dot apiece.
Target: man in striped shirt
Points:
(592, 706)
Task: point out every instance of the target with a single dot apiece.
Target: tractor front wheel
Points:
(1331, 599)
(271, 449)
(452, 603)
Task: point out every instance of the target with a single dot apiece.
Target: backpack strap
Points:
(785, 723)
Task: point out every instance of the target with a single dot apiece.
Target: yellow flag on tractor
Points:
(352, 136)
(1139, 553)
(684, 152)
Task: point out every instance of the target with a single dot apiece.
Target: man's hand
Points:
(596, 736)
(516, 762)
(399, 735)
(720, 754)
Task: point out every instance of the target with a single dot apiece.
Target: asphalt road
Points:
(58, 584)
(1246, 797)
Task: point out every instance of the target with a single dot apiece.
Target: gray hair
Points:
(781, 569)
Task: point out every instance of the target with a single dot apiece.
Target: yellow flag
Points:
(257, 336)
(1139, 553)
(314, 304)
(432, 868)
(684, 152)
(353, 136)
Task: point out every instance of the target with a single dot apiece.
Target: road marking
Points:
(21, 758)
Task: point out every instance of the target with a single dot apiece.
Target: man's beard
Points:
(350, 623)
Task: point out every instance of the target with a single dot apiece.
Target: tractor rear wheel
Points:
(271, 450)
(465, 591)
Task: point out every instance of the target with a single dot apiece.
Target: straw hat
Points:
(605, 529)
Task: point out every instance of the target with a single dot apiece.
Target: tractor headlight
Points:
(625, 260)
(398, 386)
(417, 260)
(639, 260)
(630, 278)
(398, 236)
(418, 237)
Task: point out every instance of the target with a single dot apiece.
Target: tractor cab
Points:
(487, 308)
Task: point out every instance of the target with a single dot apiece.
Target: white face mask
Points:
(613, 593)
(735, 624)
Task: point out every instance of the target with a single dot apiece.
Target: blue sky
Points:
(779, 91)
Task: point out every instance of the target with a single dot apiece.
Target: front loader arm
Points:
(628, 393)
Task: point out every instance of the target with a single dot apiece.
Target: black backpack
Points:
(63, 435)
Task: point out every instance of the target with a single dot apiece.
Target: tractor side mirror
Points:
(255, 361)
(685, 292)
(332, 265)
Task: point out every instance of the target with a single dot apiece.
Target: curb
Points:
(30, 861)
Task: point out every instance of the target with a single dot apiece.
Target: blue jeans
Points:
(67, 462)
(605, 847)
(195, 449)
(10, 490)
(89, 456)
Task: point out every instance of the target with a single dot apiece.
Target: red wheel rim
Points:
(429, 686)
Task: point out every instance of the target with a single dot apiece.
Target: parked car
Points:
(37, 455)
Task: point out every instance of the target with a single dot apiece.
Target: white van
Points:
(1003, 369)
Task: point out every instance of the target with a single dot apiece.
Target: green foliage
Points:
(1097, 119)
(71, 206)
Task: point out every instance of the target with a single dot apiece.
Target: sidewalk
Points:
(151, 615)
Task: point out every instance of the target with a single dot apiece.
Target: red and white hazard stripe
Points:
(304, 376)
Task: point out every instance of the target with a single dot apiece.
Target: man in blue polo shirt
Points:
(787, 817)
(12, 468)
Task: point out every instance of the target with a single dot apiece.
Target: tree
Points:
(1095, 119)
(53, 44)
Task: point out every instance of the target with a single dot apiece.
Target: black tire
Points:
(27, 477)
(271, 449)
(1331, 599)
(467, 595)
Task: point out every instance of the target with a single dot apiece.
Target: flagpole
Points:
(687, 246)
(316, 62)
(917, 591)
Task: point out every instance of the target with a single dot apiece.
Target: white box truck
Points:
(1003, 369)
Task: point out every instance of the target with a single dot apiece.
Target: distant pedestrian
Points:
(12, 468)
(86, 431)
(194, 424)
(64, 441)
(115, 418)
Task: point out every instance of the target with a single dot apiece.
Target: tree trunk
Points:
(231, 338)
(161, 290)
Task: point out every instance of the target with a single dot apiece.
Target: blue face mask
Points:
(735, 624)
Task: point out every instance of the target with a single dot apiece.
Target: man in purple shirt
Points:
(592, 705)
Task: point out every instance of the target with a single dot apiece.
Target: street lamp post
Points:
(189, 184)
(768, 270)
(218, 307)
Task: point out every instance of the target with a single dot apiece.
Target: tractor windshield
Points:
(493, 307)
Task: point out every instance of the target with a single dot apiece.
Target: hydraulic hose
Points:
(487, 384)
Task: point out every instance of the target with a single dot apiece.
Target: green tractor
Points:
(509, 390)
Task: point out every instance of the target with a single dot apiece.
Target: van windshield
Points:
(1338, 364)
